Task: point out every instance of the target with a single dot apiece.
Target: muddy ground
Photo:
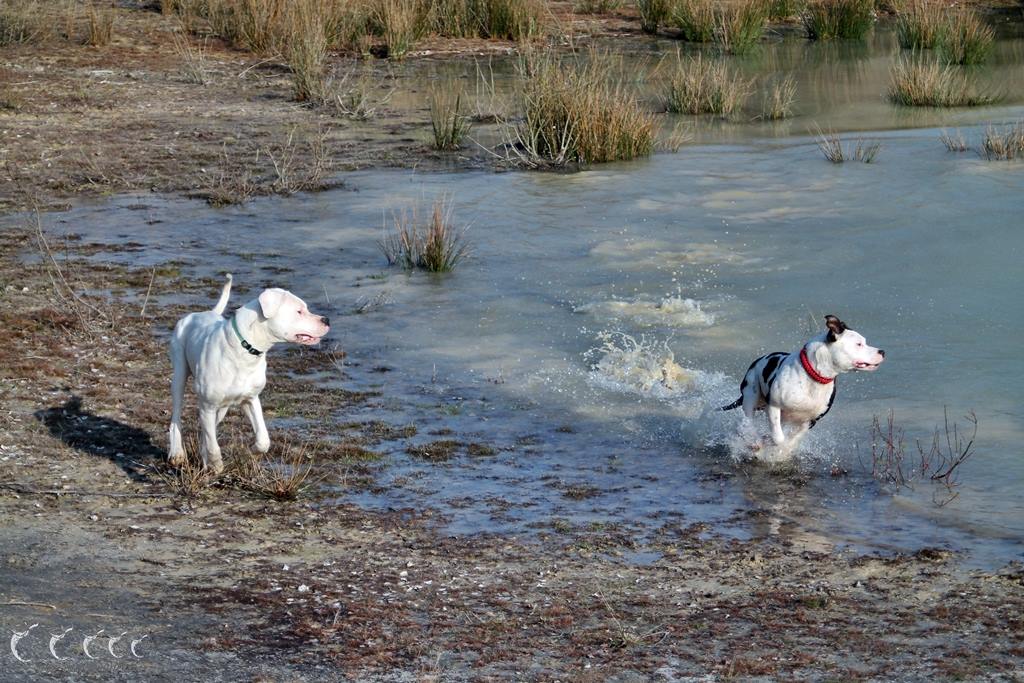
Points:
(212, 580)
(218, 581)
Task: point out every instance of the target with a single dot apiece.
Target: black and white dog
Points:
(797, 389)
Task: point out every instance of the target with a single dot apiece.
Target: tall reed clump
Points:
(829, 19)
(1004, 144)
(739, 27)
(449, 123)
(695, 20)
(920, 83)
(922, 25)
(696, 85)
(99, 27)
(436, 247)
(784, 9)
(581, 110)
(305, 49)
(734, 27)
(967, 39)
(653, 13)
(958, 34)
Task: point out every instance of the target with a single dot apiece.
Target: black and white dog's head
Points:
(848, 349)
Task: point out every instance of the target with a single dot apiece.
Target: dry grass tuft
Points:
(1004, 144)
(194, 67)
(447, 120)
(831, 145)
(829, 19)
(699, 86)
(282, 474)
(920, 83)
(954, 141)
(437, 247)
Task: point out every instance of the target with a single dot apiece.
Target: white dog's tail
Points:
(222, 303)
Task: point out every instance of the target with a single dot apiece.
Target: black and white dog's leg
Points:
(775, 423)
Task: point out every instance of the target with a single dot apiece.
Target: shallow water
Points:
(605, 314)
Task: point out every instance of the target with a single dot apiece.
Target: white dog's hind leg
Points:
(254, 410)
(176, 451)
(208, 441)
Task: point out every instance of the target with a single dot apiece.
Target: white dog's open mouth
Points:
(307, 339)
(860, 365)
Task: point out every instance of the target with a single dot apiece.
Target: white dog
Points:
(226, 357)
(797, 389)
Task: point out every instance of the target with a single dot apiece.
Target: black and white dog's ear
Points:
(271, 300)
(835, 327)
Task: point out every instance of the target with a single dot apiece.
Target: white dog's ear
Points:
(270, 301)
(835, 327)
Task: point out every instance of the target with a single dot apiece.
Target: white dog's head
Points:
(289, 319)
(849, 349)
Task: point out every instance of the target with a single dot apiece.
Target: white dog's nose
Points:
(327, 321)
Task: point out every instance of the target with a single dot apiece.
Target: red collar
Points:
(815, 375)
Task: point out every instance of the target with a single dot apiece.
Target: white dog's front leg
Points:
(775, 423)
(254, 410)
(208, 446)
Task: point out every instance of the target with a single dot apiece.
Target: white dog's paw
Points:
(177, 459)
(215, 466)
(263, 445)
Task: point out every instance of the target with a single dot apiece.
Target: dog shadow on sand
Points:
(130, 448)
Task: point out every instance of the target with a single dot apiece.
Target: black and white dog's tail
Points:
(735, 404)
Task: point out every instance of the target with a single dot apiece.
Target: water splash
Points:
(675, 311)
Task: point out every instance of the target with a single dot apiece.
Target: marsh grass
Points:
(436, 247)
(777, 102)
(580, 110)
(832, 147)
(21, 22)
(954, 142)
(739, 27)
(696, 85)
(449, 124)
(653, 13)
(830, 19)
(921, 83)
(1004, 144)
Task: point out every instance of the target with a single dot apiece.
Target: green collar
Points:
(245, 345)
